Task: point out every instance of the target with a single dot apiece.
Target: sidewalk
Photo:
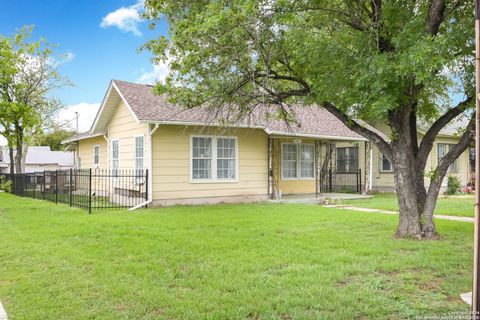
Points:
(3, 314)
(436, 216)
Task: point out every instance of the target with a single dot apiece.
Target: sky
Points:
(101, 39)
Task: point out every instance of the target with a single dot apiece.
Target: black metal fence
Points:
(342, 182)
(89, 189)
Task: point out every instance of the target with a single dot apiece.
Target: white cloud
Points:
(158, 74)
(69, 56)
(124, 18)
(86, 115)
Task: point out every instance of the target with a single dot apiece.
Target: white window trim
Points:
(96, 163)
(299, 166)
(111, 155)
(214, 160)
(448, 145)
(381, 165)
(135, 151)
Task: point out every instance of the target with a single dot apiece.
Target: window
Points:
(442, 150)
(115, 152)
(226, 151)
(214, 158)
(289, 161)
(298, 161)
(385, 164)
(96, 155)
(307, 155)
(347, 159)
(139, 154)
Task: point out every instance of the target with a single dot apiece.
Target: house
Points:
(193, 156)
(40, 158)
(463, 168)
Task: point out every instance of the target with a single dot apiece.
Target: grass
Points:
(261, 261)
(452, 206)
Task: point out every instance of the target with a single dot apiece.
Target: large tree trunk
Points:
(409, 225)
(428, 227)
(12, 160)
(19, 148)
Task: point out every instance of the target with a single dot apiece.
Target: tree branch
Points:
(467, 137)
(436, 15)
(362, 130)
(429, 137)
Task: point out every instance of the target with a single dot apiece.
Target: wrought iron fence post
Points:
(146, 187)
(56, 186)
(90, 191)
(44, 185)
(34, 184)
(70, 189)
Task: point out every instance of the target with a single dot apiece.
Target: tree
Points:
(393, 61)
(52, 138)
(28, 75)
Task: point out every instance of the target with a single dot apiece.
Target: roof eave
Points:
(267, 130)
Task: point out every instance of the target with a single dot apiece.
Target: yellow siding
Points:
(386, 179)
(462, 162)
(171, 164)
(85, 153)
(123, 127)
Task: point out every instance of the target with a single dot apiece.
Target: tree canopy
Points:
(28, 76)
(399, 62)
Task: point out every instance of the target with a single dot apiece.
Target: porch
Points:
(316, 168)
(312, 198)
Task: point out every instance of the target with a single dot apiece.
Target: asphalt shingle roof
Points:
(309, 120)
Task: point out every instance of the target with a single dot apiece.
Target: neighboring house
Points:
(40, 159)
(192, 158)
(463, 167)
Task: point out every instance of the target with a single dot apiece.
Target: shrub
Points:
(453, 185)
(5, 184)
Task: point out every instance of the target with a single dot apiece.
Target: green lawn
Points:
(453, 206)
(262, 261)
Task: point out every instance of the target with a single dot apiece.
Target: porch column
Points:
(368, 167)
(270, 168)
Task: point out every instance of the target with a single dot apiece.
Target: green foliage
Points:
(453, 185)
(432, 174)
(28, 74)
(52, 138)
(246, 52)
(5, 184)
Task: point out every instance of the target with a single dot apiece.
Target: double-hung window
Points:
(139, 154)
(214, 158)
(347, 159)
(385, 164)
(298, 161)
(115, 154)
(96, 155)
(442, 150)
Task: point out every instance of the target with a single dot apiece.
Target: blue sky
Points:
(102, 38)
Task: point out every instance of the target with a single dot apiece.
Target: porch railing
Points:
(89, 189)
(341, 182)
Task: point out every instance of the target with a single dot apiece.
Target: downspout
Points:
(150, 166)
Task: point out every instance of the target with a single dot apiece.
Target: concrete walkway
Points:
(312, 198)
(3, 314)
(437, 216)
